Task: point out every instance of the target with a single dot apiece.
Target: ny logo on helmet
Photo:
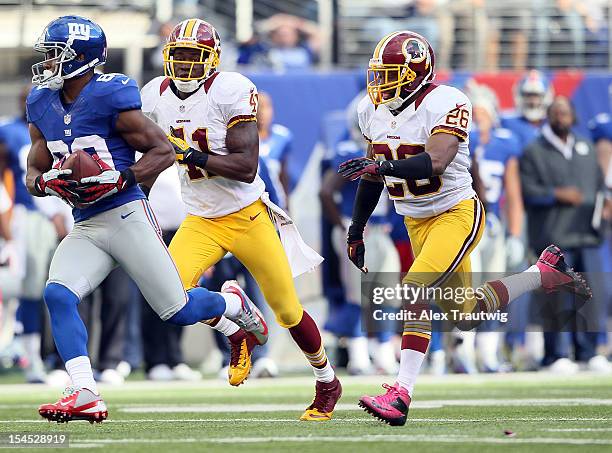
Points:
(79, 31)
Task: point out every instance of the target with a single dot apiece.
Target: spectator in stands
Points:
(161, 342)
(274, 147)
(561, 180)
(467, 38)
(560, 37)
(291, 43)
(596, 32)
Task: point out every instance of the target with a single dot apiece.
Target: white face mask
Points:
(188, 86)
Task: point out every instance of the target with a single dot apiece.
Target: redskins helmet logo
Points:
(414, 50)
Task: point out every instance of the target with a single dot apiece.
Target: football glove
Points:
(54, 182)
(184, 153)
(107, 183)
(355, 247)
(355, 168)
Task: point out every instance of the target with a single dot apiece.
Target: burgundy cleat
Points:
(391, 408)
(557, 275)
(77, 404)
(242, 344)
(327, 395)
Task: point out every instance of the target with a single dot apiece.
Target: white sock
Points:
(410, 366)
(80, 373)
(233, 305)
(325, 374)
(226, 327)
(523, 282)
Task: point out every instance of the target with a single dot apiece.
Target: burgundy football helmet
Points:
(192, 34)
(402, 63)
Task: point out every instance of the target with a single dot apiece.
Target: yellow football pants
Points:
(251, 237)
(442, 245)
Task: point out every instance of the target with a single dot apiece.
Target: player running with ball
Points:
(418, 148)
(71, 109)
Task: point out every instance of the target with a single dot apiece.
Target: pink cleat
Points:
(557, 275)
(391, 408)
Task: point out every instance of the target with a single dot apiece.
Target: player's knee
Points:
(57, 295)
(288, 317)
(201, 304)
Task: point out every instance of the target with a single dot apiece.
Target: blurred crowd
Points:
(541, 182)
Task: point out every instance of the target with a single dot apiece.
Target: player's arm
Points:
(41, 178)
(242, 142)
(146, 137)
(367, 196)
(331, 184)
(514, 197)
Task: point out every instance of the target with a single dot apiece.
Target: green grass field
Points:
(455, 413)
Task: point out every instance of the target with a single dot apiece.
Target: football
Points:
(82, 164)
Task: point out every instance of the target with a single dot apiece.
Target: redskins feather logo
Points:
(414, 50)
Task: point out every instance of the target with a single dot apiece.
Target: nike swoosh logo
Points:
(459, 105)
(254, 216)
(64, 404)
(126, 81)
(127, 215)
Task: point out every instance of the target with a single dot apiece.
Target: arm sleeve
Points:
(366, 199)
(535, 192)
(364, 112)
(450, 113)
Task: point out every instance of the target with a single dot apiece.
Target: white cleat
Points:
(250, 318)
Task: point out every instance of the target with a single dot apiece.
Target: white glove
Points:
(515, 252)
(107, 183)
(54, 182)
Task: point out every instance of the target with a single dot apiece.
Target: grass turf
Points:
(455, 413)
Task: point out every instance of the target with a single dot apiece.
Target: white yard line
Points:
(367, 438)
(351, 420)
(430, 404)
(576, 430)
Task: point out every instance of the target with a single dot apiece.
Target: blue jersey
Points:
(601, 127)
(16, 138)
(264, 174)
(273, 150)
(492, 159)
(524, 131)
(350, 150)
(89, 124)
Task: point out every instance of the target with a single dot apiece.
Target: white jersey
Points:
(203, 119)
(440, 109)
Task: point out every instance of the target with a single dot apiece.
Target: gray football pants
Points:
(126, 236)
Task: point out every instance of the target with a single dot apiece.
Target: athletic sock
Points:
(307, 336)
(497, 294)
(81, 374)
(415, 340)
(223, 325)
(233, 304)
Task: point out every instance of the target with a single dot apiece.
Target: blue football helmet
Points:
(72, 45)
(532, 96)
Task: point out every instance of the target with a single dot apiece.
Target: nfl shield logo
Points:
(182, 108)
(67, 119)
